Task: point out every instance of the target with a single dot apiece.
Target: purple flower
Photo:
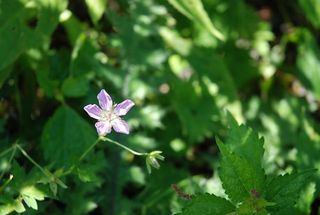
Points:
(109, 116)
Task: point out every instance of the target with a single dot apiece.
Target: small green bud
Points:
(151, 160)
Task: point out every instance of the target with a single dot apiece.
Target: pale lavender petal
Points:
(94, 111)
(103, 128)
(123, 108)
(120, 126)
(105, 100)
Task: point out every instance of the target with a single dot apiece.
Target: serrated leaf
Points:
(33, 192)
(31, 202)
(18, 206)
(245, 142)
(207, 204)
(9, 205)
(65, 137)
(238, 175)
(193, 9)
(284, 190)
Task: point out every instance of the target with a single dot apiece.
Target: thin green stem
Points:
(124, 147)
(33, 161)
(88, 150)
(44, 171)
(10, 160)
(6, 183)
(82, 156)
(6, 151)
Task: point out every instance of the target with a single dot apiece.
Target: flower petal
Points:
(94, 111)
(105, 100)
(103, 128)
(120, 126)
(123, 108)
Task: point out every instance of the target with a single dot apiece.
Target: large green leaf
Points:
(26, 24)
(308, 62)
(65, 137)
(245, 142)
(284, 190)
(311, 9)
(207, 204)
(194, 106)
(239, 176)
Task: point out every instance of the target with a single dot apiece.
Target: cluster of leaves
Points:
(249, 190)
(183, 63)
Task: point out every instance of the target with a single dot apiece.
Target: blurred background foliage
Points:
(184, 63)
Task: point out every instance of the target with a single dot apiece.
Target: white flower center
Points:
(108, 116)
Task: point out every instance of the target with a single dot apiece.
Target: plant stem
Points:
(100, 138)
(45, 172)
(88, 150)
(124, 147)
(33, 161)
(6, 151)
(82, 157)
(6, 183)
(10, 159)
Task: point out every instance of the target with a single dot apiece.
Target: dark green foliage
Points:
(184, 63)
(284, 190)
(70, 132)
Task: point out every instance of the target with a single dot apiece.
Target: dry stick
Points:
(180, 193)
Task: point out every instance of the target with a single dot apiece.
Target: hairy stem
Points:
(44, 171)
(124, 147)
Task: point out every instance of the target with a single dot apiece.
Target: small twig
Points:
(180, 193)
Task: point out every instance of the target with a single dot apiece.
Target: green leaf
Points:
(311, 9)
(65, 137)
(284, 190)
(239, 176)
(33, 192)
(10, 206)
(54, 188)
(84, 57)
(193, 9)
(75, 87)
(31, 202)
(18, 206)
(246, 143)
(207, 204)
(17, 33)
(214, 70)
(308, 62)
(96, 9)
(194, 106)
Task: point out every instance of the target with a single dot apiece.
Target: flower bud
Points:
(151, 160)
